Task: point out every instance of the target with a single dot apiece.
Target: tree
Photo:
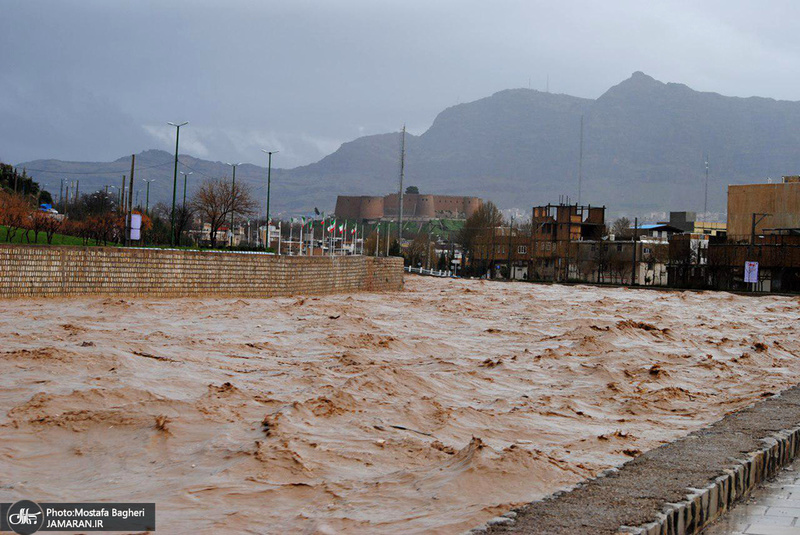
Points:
(371, 243)
(216, 199)
(52, 225)
(412, 190)
(37, 223)
(15, 213)
(620, 226)
(478, 235)
(418, 249)
(444, 263)
(183, 219)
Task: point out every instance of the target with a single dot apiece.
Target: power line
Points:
(112, 171)
(193, 169)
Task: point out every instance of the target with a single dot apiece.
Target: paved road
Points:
(773, 509)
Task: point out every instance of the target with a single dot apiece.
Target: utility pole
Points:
(635, 241)
(510, 246)
(580, 164)
(402, 176)
(66, 199)
(61, 195)
(705, 200)
(147, 196)
(129, 215)
(233, 198)
(122, 195)
(175, 180)
(753, 226)
(185, 175)
(77, 186)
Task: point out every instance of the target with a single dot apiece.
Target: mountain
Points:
(644, 147)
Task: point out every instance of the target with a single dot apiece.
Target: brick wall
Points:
(42, 271)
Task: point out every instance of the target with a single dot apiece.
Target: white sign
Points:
(136, 226)
(751, 272)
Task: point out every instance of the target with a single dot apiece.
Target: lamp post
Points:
(184, 186)
(175, 179)
(147, 196)
(233, 197)
(269, 177)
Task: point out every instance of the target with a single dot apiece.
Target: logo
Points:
(25, 517)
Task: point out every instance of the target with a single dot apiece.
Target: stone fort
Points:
(415, 207)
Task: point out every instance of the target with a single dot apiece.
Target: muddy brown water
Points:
(424, 411)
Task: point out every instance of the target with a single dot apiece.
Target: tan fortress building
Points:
(415, 207)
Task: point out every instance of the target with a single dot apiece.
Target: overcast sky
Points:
(98, 79)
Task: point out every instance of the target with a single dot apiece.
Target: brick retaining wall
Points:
(45, 271)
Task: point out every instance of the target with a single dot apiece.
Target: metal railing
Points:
(429, 272)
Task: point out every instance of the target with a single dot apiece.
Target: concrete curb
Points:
(703, 506)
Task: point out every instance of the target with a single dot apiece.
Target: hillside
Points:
(644, 145)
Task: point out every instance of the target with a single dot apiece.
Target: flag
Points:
(353, 231)
(341, 229)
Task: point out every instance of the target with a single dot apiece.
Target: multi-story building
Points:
(555, 232)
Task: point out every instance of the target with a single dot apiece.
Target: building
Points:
(416, 207)
(687, 222)
(555, 229)
(223, 237)
(621, 262)
(755, 209)
(658, 231)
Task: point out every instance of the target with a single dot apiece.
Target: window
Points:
(646, 250)
(522, 249)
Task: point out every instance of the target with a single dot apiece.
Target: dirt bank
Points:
(429, 410)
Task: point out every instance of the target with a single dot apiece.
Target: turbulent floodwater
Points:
(428, 410)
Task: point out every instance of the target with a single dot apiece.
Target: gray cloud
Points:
(97, 80)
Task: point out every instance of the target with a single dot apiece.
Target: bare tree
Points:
(216, 199)
(479, 234)
(620, 226)
(37, 224)
(52, 225)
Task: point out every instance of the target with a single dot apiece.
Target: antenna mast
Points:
(705, 201)
(402, 176)
(580, 164)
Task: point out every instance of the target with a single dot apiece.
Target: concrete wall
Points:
(42, 271)
(781, 201)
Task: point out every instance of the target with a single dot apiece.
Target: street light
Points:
(269, 181)
(233, 196)
(184, 186)
(147, 196)
(175, 179)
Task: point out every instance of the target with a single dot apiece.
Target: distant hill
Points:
(644, 146)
